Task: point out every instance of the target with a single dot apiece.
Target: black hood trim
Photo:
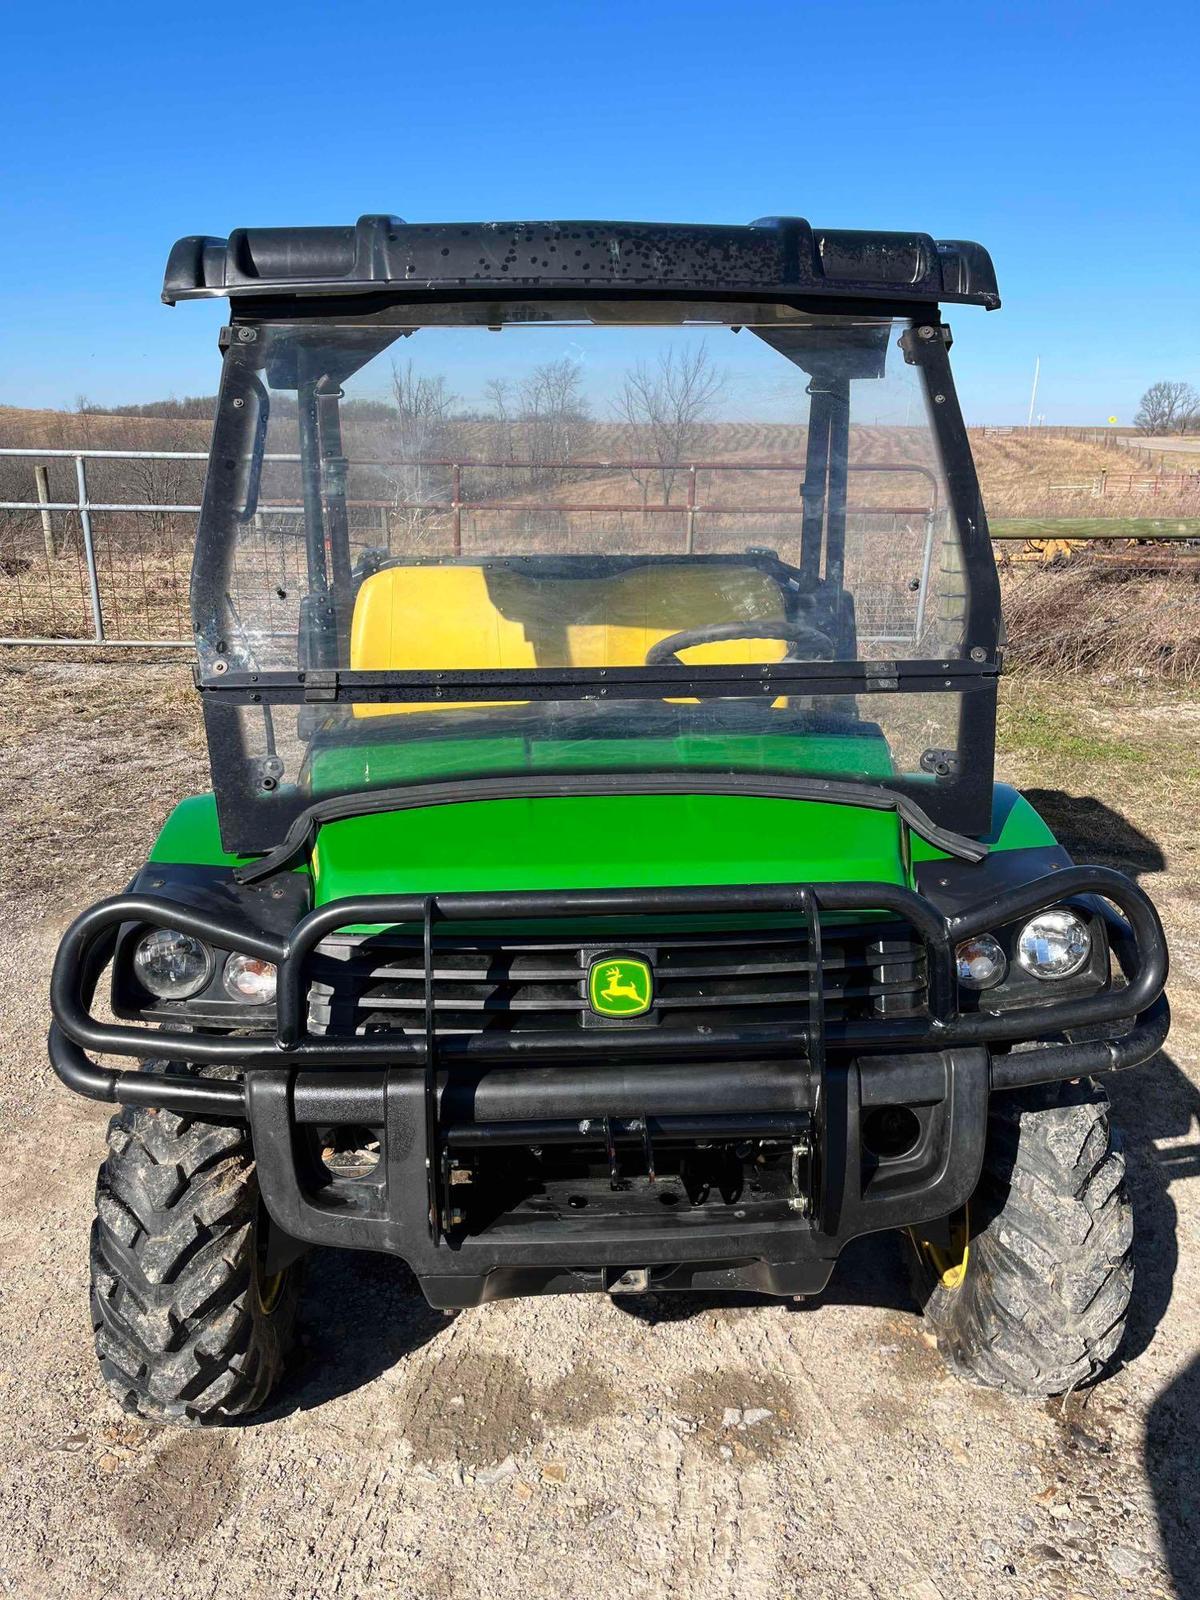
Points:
(301, 836)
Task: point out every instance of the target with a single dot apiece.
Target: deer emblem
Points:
(614, 989)
(620, 986)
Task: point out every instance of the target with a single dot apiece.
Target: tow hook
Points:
(633, 1280)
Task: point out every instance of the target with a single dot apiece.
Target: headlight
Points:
(250, 978)
(982, 964)
(1054, 944)
(172, 965)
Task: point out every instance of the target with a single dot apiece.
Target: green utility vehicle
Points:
(604, 884)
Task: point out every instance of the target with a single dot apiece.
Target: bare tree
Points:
(424, 407)
(666, 405)
(85, 410)
(164, 483)
(553, 412)
(1168, 407)
(499, 413)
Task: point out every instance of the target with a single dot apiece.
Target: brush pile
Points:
(1130, 616)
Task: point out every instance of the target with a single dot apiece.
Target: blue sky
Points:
(1061, 136)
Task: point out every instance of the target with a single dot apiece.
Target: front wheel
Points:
(1030, 1292)
(189, 1327)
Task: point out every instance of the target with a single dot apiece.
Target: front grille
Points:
(376, 983)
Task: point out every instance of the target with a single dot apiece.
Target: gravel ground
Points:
(566, 1447)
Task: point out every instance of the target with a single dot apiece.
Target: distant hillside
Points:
(192, 408)
(1022, 473)
(97, 430)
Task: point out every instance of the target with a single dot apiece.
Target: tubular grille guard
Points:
(525, 983)
(87, 946)
(812, 1037)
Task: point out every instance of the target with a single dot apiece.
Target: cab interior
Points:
(499, 613)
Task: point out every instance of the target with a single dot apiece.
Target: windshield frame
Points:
(960, 799)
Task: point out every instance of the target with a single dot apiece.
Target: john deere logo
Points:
(620, 986)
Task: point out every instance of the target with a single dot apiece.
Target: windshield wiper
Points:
(301, 836)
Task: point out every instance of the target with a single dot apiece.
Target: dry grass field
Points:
(1027, 474)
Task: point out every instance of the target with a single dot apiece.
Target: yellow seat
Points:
(430, 618)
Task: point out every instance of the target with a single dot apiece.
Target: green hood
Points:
(610, 841)
(605, 842)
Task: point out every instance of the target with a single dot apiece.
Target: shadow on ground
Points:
(1157, 1109)
(1096, 835)
(1171, 1432)
(360, 1314)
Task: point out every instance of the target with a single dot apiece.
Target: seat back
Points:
(434, 617)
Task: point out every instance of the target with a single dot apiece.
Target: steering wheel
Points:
(810, 642)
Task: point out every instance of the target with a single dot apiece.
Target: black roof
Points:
(774, 257)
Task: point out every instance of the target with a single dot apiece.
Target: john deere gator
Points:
(604, 885)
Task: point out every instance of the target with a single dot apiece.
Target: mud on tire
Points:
(1041, 1306)
(187, 1328)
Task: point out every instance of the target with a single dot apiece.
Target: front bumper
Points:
(432, 1102)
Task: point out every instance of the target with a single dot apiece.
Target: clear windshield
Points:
(519, 458)
(509, 488)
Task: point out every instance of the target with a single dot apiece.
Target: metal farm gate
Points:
(96, 545)
(96, 550)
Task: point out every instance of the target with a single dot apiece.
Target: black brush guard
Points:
(435, 1098)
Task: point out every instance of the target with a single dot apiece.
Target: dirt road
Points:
(569, 1447)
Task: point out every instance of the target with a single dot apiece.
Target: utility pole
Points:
(1037, 367)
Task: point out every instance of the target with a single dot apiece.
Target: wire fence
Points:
(96, 545)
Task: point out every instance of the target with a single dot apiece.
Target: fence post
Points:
(923, 591)
(691, 511)
(89, 549)
(41, 478)
(457, 497)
